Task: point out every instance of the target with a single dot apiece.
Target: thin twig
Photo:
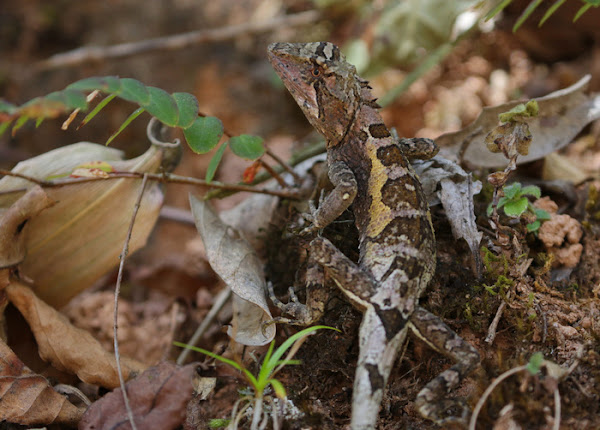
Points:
(160, 177)
(175, 42)
(494, 325)
(273, 173)
(220, 301)
(117, 291)
(556, 425)
(489, 390)
(285, 166)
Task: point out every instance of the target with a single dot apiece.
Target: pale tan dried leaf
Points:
(27, 398)
(14, 225)
(72, 244)
(559, 167)
(234, 260)
(562, 115)
(158, 399)
(65, 346)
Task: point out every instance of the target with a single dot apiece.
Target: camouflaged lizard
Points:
(370, 171)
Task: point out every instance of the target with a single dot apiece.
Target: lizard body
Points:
(370, 171)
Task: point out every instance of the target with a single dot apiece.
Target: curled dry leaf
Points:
(27, 398)
(446, 182)
(72, 244)
(65, 346)
(562, 114)
(234, 260)
(13, 225)
(158, 399)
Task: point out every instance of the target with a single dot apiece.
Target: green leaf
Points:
(162, 105)
(4, 126)
(247, 146)
(188, 109)
(526, 13)
(39, 121)
(581, 11)
(516, 207)
(217, 423)
(7, 107)
(97, 109)
(134, 91)
(551, 11)
(533, 226)
(513, 190)
(502, 201)
(19, 123)
(541, 214)
(497, 9)
(94, 83)
(278, 388)
(535, 363)
(214, 162)
(128, 121)
(75, 99)
(204, 134)
(531, 190)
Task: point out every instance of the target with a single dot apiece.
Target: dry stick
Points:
(161, 177)
(283, 164)
(117, 291)
(169, 43)
(494, 325)
(220, 301)
(496, 382)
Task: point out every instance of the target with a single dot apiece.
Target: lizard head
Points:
(323, 83)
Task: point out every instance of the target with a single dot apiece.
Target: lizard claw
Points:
(312, 216)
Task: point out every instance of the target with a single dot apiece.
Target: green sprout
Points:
(515, 203)
(272, 363)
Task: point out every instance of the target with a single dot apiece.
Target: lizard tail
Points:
(375, 361)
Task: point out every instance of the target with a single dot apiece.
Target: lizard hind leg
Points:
(376, 359)
(431, 401)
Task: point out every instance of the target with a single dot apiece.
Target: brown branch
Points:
(170, 43)
(160, 177)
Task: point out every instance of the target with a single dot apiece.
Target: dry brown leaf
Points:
(72, 244)
(27, 398)
(234, 260)
(158, 399)
(562, 114)
(13, 225)
(65, 346)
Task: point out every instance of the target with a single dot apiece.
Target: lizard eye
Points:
(316, 71)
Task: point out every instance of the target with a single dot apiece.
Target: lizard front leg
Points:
(337, 201)
(431, 401)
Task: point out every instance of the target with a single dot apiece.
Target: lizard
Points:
(370, 172)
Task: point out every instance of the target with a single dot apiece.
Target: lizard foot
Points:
(444, 412)
(299, 313)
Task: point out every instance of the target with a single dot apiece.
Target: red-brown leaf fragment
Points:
(27, 398)
(158, 399)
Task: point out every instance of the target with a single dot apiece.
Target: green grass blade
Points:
(97, 109)
(4, 126)
(214, 162)
(581, 11)
(278, 388)
(495, 11)
(290, 341)
(526, 13)
(128, 121)
(551, 11)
